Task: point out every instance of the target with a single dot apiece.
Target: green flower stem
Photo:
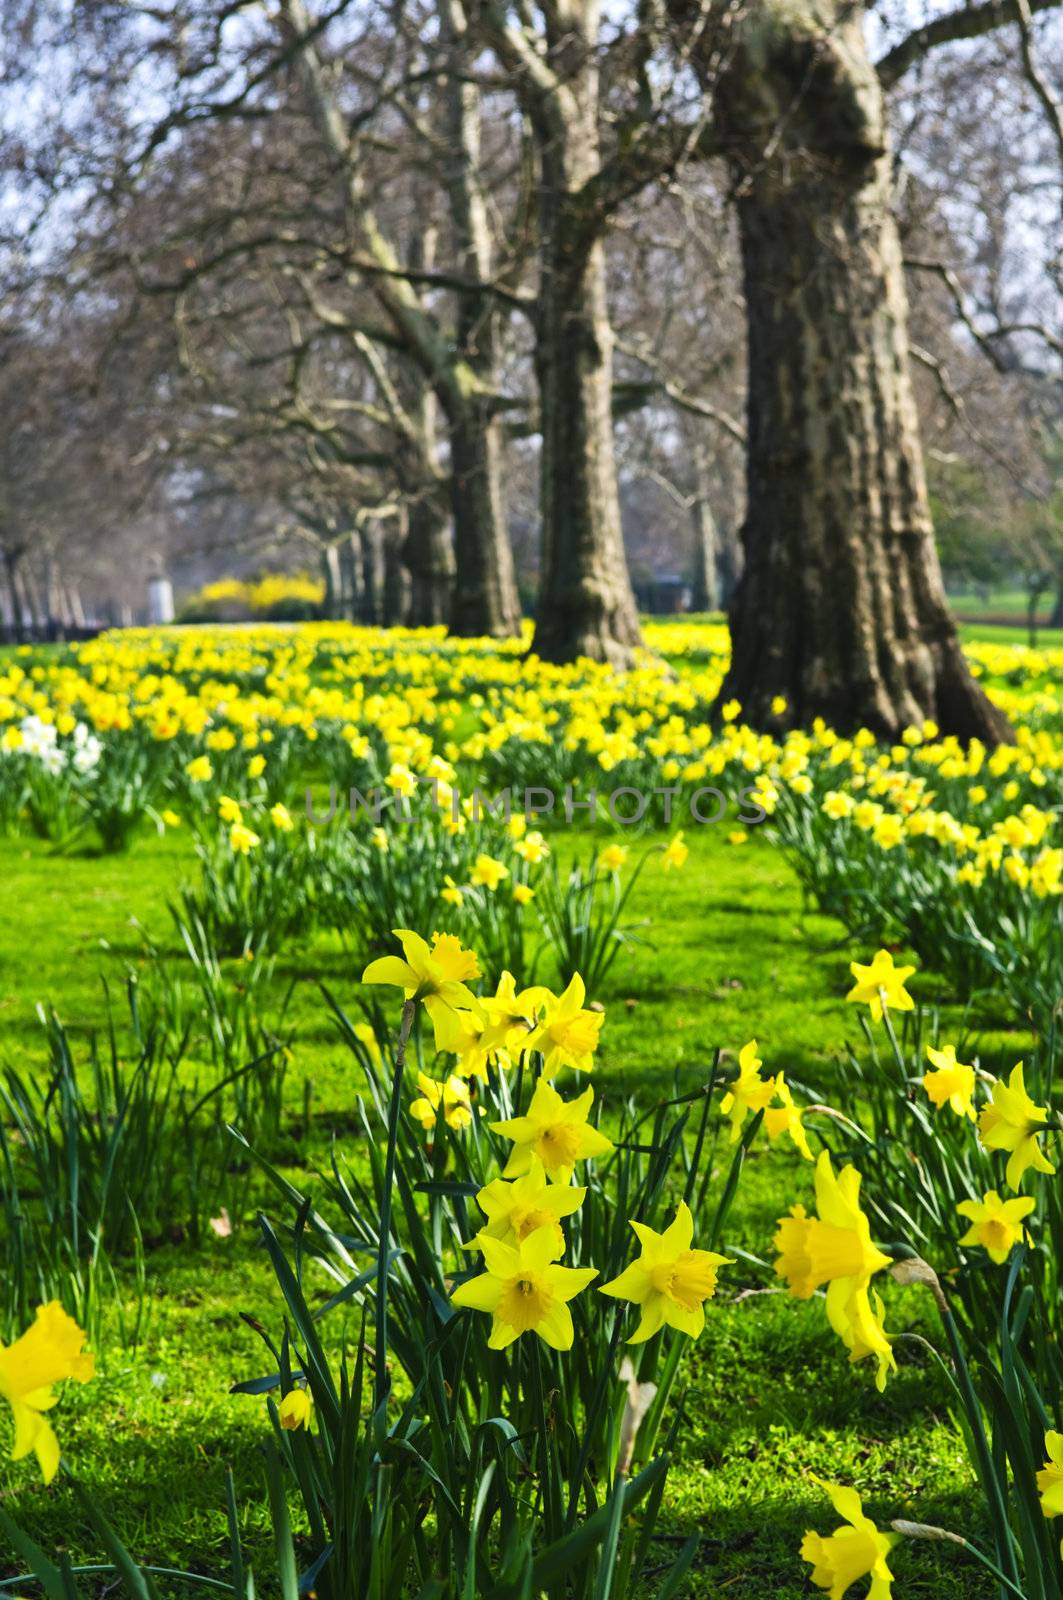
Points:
(380, 1380)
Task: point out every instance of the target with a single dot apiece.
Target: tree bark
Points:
(370, 539)
(485, 600)
(586, 605)
(428, 557)
(395, 594)
(705, 588)
(350, 552)
(841, 608)
(330, 572)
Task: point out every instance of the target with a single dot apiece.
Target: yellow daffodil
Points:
(567, 1035)
(450, 892)
(465, 1034)
(242, 839)
(47, 1353)
(786, 1118)
(436, 975)
(856, 1551)
(1050, 1476)
(488, 873)
(515, 1210)
(555, 1130)
(449, 1099)
(996, 1224)
(951, 1083)
(295, 1408)
(613, 857)
(749, 1092)
(200, 769)
(171, 819)
(512, 1016)
(835, 1249)
(523, 893)
(1012, 1122)
(669, 1281)
(881, 985)
(256, 766)
(675, 852)
(280, 817)
(229, 809)
(524, 1291)
(532, 848)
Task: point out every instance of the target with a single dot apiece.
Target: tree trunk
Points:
(351, 577)
(1056, 619)
(841, 607)
(586, 606)
(18, 615)
(372, 573)
(429, 558)
(330, 572)
(705, 589)
(485, 587)
(396, 587)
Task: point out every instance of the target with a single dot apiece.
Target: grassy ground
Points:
(733, 953)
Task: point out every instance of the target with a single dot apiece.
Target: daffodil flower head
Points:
(464, 1034)
(243, 840)
(567, 1035)
(48, 1352)
(861, 1326)
(449, 1100)
(881, 985)
(669, 1281)
(951, 1083)
(437, 974)
(1012, 1122)
(786, 1118)
(512, 1016)
(518, 1208)
(488, 873)
(1050, 1476)
(858, 1550)
(295, 1408)
(675, 852)
(524, 1291)
(749, 1092)
(996, 1224)
(835, 1248)
(554, 1130)
(835, 1245)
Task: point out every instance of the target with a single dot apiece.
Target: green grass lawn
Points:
(732, 953)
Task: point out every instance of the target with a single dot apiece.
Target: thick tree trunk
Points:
(429, 559)
(586, 605)
(396, 584)
(371, 541)
(841, 607)
(705, 588)
(351, 577)
(485, 587)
